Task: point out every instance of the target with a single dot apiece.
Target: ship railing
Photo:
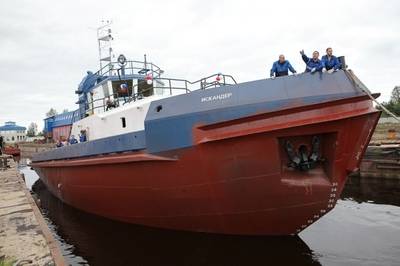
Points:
(159, 86)
(106, 103)
(118, 99)
(131, 67)
(178, 86)
(213, 81)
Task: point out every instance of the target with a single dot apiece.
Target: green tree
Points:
(395, 95)
(394, 103)
(32, 130)
(51, 112)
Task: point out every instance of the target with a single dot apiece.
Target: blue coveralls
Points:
(310, 63)
(281, 69)
(329, 63)
(73, 141)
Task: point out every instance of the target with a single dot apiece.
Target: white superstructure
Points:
(124, 119)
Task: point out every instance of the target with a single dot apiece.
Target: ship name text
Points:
(218, 97)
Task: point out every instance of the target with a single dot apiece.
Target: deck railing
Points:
(160, 86)
(130, 68)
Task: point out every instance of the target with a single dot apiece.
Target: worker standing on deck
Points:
(82, 136)
(330, 63)
(312, 64)
(281, 67)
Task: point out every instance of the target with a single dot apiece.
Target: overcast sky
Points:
(46, 47)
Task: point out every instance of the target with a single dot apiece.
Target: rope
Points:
(362, 87)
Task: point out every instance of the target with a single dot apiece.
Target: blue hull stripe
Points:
(125, 142)
(176, 132)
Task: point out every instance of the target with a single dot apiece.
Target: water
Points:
(363, 229)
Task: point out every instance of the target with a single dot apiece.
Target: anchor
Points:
(302, 159)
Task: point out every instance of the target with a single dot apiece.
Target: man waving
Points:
(312, 64)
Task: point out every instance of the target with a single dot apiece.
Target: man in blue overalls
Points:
(312, 64)
(281, 67)
(330, 63)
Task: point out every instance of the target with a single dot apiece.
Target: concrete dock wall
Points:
(24, 235)
(28, 149)
(386, 132)
(382, 158)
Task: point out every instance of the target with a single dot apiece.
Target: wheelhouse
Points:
(122, 82)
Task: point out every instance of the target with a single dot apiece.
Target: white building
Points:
(12, 133)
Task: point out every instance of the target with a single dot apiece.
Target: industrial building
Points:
(58, 127)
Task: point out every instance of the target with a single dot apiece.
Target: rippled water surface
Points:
(363, 229)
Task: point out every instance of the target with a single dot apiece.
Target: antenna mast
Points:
(104, 39)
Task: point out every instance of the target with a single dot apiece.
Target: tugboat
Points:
(266, 157)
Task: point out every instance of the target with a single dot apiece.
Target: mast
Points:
(104, 39)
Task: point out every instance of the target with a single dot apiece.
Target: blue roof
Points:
(9, 126)
(63, 119)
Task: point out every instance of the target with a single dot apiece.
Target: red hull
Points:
(235, 180)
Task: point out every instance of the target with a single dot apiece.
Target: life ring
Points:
(121, 60)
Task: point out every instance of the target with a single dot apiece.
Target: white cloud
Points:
(47, 46)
